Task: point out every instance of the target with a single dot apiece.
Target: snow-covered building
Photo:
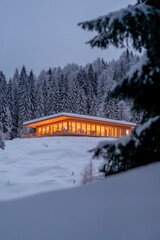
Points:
(62, 124)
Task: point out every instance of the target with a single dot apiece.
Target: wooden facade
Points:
(65, 124)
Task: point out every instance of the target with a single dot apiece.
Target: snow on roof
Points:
(79, 116)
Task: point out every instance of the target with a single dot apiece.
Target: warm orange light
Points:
(127, 132)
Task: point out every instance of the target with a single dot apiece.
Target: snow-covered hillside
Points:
(29, 166)
(122, 207)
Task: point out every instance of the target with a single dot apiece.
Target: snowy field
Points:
(121, 207)
(29, 166)
(41, 197)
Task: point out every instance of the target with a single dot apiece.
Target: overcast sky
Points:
(44, 33)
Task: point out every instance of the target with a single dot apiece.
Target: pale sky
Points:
(44, 33)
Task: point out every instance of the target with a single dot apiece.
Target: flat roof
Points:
(63, 115)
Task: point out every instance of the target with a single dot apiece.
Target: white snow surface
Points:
(80, 116)
(125, 206)
(33, 165)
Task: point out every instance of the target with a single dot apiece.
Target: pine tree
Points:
(13, 103)
(2, 145)
(23, 98)
(92, 80)
(82, 102)
(138, 24)
(3, 104)
(65, 106)
(123, 111)
(57, 94)
(74, 90)
(99, 65)
(10, 100)
(105, 82)
(39, 101)
(48, 93)
(110, 107)
(32, 94)
(39, 96)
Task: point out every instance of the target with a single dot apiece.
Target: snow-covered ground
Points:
(29, 166)
(125, 206)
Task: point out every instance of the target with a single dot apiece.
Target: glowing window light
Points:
(78, 127)
(73, 127)
(115, 132)
(65, 126)
(98, 131)
(88, 128)
(102, 131)
(47, 129)
(127, 132)
(83, 128)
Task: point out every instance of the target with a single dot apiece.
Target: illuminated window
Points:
(43, 130)
(127, 132)
(115, 132)
(60, 127)
(83, 128)
(102, 131)
(73, 127)
(98, 131)
(107, 131)
(65, 126)
(88, 128)
(47, 129)
(120, 132)
(111, 132)
(93, 129)
(70, 126)
(78, 127)
(55, 128)
(39, 131)
(51, 129)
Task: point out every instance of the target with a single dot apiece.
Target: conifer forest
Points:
(74, 89)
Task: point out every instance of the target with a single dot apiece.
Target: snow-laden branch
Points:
(123, 24)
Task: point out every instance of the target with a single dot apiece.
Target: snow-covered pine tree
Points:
(123, 64)
(110, 107)
(51, 95)
(82, 102)
(39, 97)
(123, 111)
(39, 101)
(91, 90)
(10, 100)
(126, 60)
(31, 79)
(139, 25)
(78, 96)
(48, 92)
(2, 144)
(65, 105)
(23, 97)
(45, 96)
(92, 80)
(105, 82)
(73, 90)
(99, 65)
(57, 94)
(3, 104)
(13, 103)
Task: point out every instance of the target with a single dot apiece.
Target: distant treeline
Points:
(74, 89)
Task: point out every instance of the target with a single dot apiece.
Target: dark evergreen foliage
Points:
(3, 103)
(2, 145)
(139, 25)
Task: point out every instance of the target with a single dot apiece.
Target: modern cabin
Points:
(69, 124)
